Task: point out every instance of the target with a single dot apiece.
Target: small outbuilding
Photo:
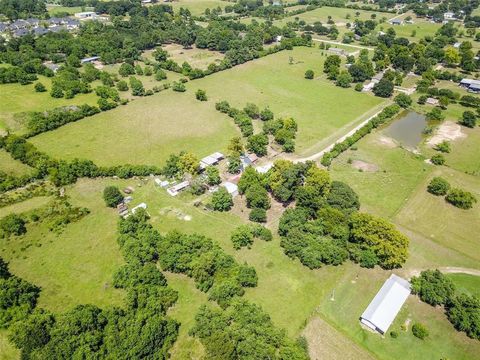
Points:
(139, 206)
(231, 188)
(174, 190)
(385, 306)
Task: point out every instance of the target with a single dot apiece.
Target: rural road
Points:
(449, 270)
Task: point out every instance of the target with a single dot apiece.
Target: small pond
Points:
(407, 129)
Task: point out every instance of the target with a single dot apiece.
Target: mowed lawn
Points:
(468, 284)
(320, 108)
(12, 166)
(146, 131)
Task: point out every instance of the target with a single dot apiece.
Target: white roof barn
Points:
(211, 159)
(385, 306)
(231, 188)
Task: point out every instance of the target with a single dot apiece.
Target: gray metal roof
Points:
(387, 303)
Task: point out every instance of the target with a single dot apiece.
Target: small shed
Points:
(139, 206)
(385, 306)
(231, 188)
(432, 101)
(174, 190)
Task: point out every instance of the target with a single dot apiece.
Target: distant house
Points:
(175, 190)
(39, 31)
(338, 51)
(385, 306)
(231, 188)
(211, 159)
(89, 59)
(432, 101)
(396, 22)
(449, 16)
(263, 169)
(456, 45)
(161, 183)
(471, 85)
(86, 15)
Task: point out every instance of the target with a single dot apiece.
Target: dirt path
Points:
(340, 43)
(449, 270)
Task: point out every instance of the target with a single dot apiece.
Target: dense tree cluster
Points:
(325, 227)
(212, 269)
(228, 334)
(244, 235)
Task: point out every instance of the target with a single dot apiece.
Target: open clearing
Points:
(146, 131)
(11, 166)
(339, 15)
(197, 58)
(197, 7)
(319, 107)
(469, 284)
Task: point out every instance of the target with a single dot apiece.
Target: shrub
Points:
(179, 87)
(438, 186)
(468, 119)
(201, 95)
(420, 331)
(222, 200)
(309, 74)
(122, 85)
(258, 215)
(359, 87)
(112, 196)
(403, 100)
(39, 87)
(461, 199)
(242, 236)
(443, 147)
(13, 224)
(393, 334)
(438, 159)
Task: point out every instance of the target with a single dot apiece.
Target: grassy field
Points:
(433, 217)
(53, 10)
(320, 108)
(355, 291)
(469, 284)
(394, 174)
(145, 131)
(11, 166)
(197, 58)
(18, 98)
(197, 7)
(339, 15)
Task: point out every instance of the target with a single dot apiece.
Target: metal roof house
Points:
(385, 306)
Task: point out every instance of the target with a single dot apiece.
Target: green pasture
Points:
(339, 16)
(320, 108)
(465, 283)
(18, 99)
(11, 166)
(434, 218)
(197, 7)
(354, 292)
(146, 131)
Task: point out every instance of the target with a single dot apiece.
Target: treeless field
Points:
(146, 131)
(197, 58)
(11, 166)
(197, 7)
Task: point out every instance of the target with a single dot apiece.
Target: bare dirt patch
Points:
(387, 142)
(448, 131)
(364, 166)
(326, 343)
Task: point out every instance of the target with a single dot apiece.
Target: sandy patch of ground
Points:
(364, 166)
(448, 131)
(387, 142)
(326, 343)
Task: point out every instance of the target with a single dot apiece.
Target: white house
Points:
(449, 15)
(174, 190)
(385, 306)
(86, 15)
(211, 159)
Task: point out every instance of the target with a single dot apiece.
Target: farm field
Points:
(339, 16)
(197, 7)
(146, 131)
(18, 98)
(197, 58)
(319, 107)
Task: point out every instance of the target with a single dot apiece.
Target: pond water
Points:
(407, 129)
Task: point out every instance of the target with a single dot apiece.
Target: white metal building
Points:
(385, 306)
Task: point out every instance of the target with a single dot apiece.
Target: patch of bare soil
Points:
(364, 166)
(326, 343)
(448, 131)
(387, 142)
